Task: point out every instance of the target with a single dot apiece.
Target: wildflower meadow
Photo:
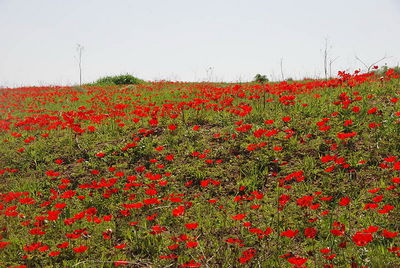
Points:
(173, 174)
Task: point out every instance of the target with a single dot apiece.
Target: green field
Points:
(168, 174)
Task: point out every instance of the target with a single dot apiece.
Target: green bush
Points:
(125, 79)
(260, 78)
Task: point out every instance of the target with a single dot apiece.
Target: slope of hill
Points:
(197, 174)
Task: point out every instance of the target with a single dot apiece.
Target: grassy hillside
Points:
(304, 174)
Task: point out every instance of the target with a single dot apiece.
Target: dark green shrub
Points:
(260, 78)
(125, 79)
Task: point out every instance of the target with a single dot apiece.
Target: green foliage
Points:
(260, 78)
(125, 79)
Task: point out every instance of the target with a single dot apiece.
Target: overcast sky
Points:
(185, 40)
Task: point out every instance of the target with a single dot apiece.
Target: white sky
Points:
(186, 40)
